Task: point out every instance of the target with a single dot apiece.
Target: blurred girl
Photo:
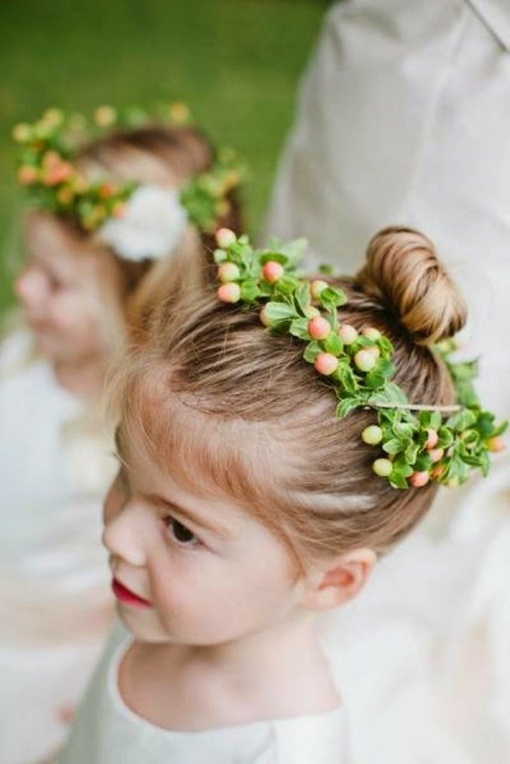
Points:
(109, 213)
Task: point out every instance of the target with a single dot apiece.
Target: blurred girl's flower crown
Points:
(137, 221)
(417, 443)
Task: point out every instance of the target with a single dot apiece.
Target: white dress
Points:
(404, 118)
(108, 732)
(55, 605)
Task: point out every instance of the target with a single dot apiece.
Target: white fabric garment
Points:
(404, 118)
(55, 604)
(107, 732)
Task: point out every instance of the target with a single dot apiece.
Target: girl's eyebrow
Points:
(197, 519)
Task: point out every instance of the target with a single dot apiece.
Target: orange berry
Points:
(316, 287)
(225, 237)
(365, 360)
(436, 454)
(326, 363)
(264, 320)
(228, 272)
(419, 479)
(347, 333)
(371, 333)
(319, 328)
(230, 292)
(27, 175)
(496, 444)
(432, 438)
(272, 271)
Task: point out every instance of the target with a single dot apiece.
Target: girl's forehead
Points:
(237, 457)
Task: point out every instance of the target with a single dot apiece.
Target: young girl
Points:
(263, 471)
(109, 214)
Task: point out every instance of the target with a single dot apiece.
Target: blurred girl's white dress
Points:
(55, 604)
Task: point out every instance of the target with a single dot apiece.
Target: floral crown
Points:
(137, 221)
(416, 443)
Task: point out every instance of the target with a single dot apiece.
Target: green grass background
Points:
(235, 62)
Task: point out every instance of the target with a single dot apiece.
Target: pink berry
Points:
(316, 287)
(347, 333)
(382, 467)
(432, 438)
(496, 444)
(229, 292)
(326, 363)
(371, 333)
(436, 454)
(318, 328)
(228, 272)
(365, 360)
(419, 479)
(372, 435)
(225, 237)
(272, 271)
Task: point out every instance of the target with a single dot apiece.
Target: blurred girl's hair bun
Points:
(402, 270)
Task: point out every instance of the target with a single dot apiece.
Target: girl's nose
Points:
(123, 536)
(30, 288)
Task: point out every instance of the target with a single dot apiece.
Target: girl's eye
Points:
(180, 532)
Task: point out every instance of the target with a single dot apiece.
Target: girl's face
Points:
(190, 569)
(59, 289)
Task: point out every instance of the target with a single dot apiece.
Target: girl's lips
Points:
(128, 597)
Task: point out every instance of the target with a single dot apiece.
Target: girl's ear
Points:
(340, 580)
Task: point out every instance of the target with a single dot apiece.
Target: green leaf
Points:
(462, 420)
(249, 290)
(299, 328)
(374, 380)
(397, 480)
(403, 430)
(393, 446)
(347, 405)
(345, 376)
(275, 257)
(333, 344)
(411, 453)
(331, 298)
(279, 311)
(390, 394)
(311, 351)
(302, 297)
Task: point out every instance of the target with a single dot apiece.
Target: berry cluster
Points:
(49, 146)
(416, 444)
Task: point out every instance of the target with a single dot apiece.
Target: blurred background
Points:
(236, 63)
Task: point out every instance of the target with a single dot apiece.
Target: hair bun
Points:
(403, 271)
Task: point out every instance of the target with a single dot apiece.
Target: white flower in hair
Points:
(151, 225)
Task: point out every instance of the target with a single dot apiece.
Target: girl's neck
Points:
(278, 674)
(85, 379)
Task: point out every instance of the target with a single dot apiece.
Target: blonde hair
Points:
(253, 397)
